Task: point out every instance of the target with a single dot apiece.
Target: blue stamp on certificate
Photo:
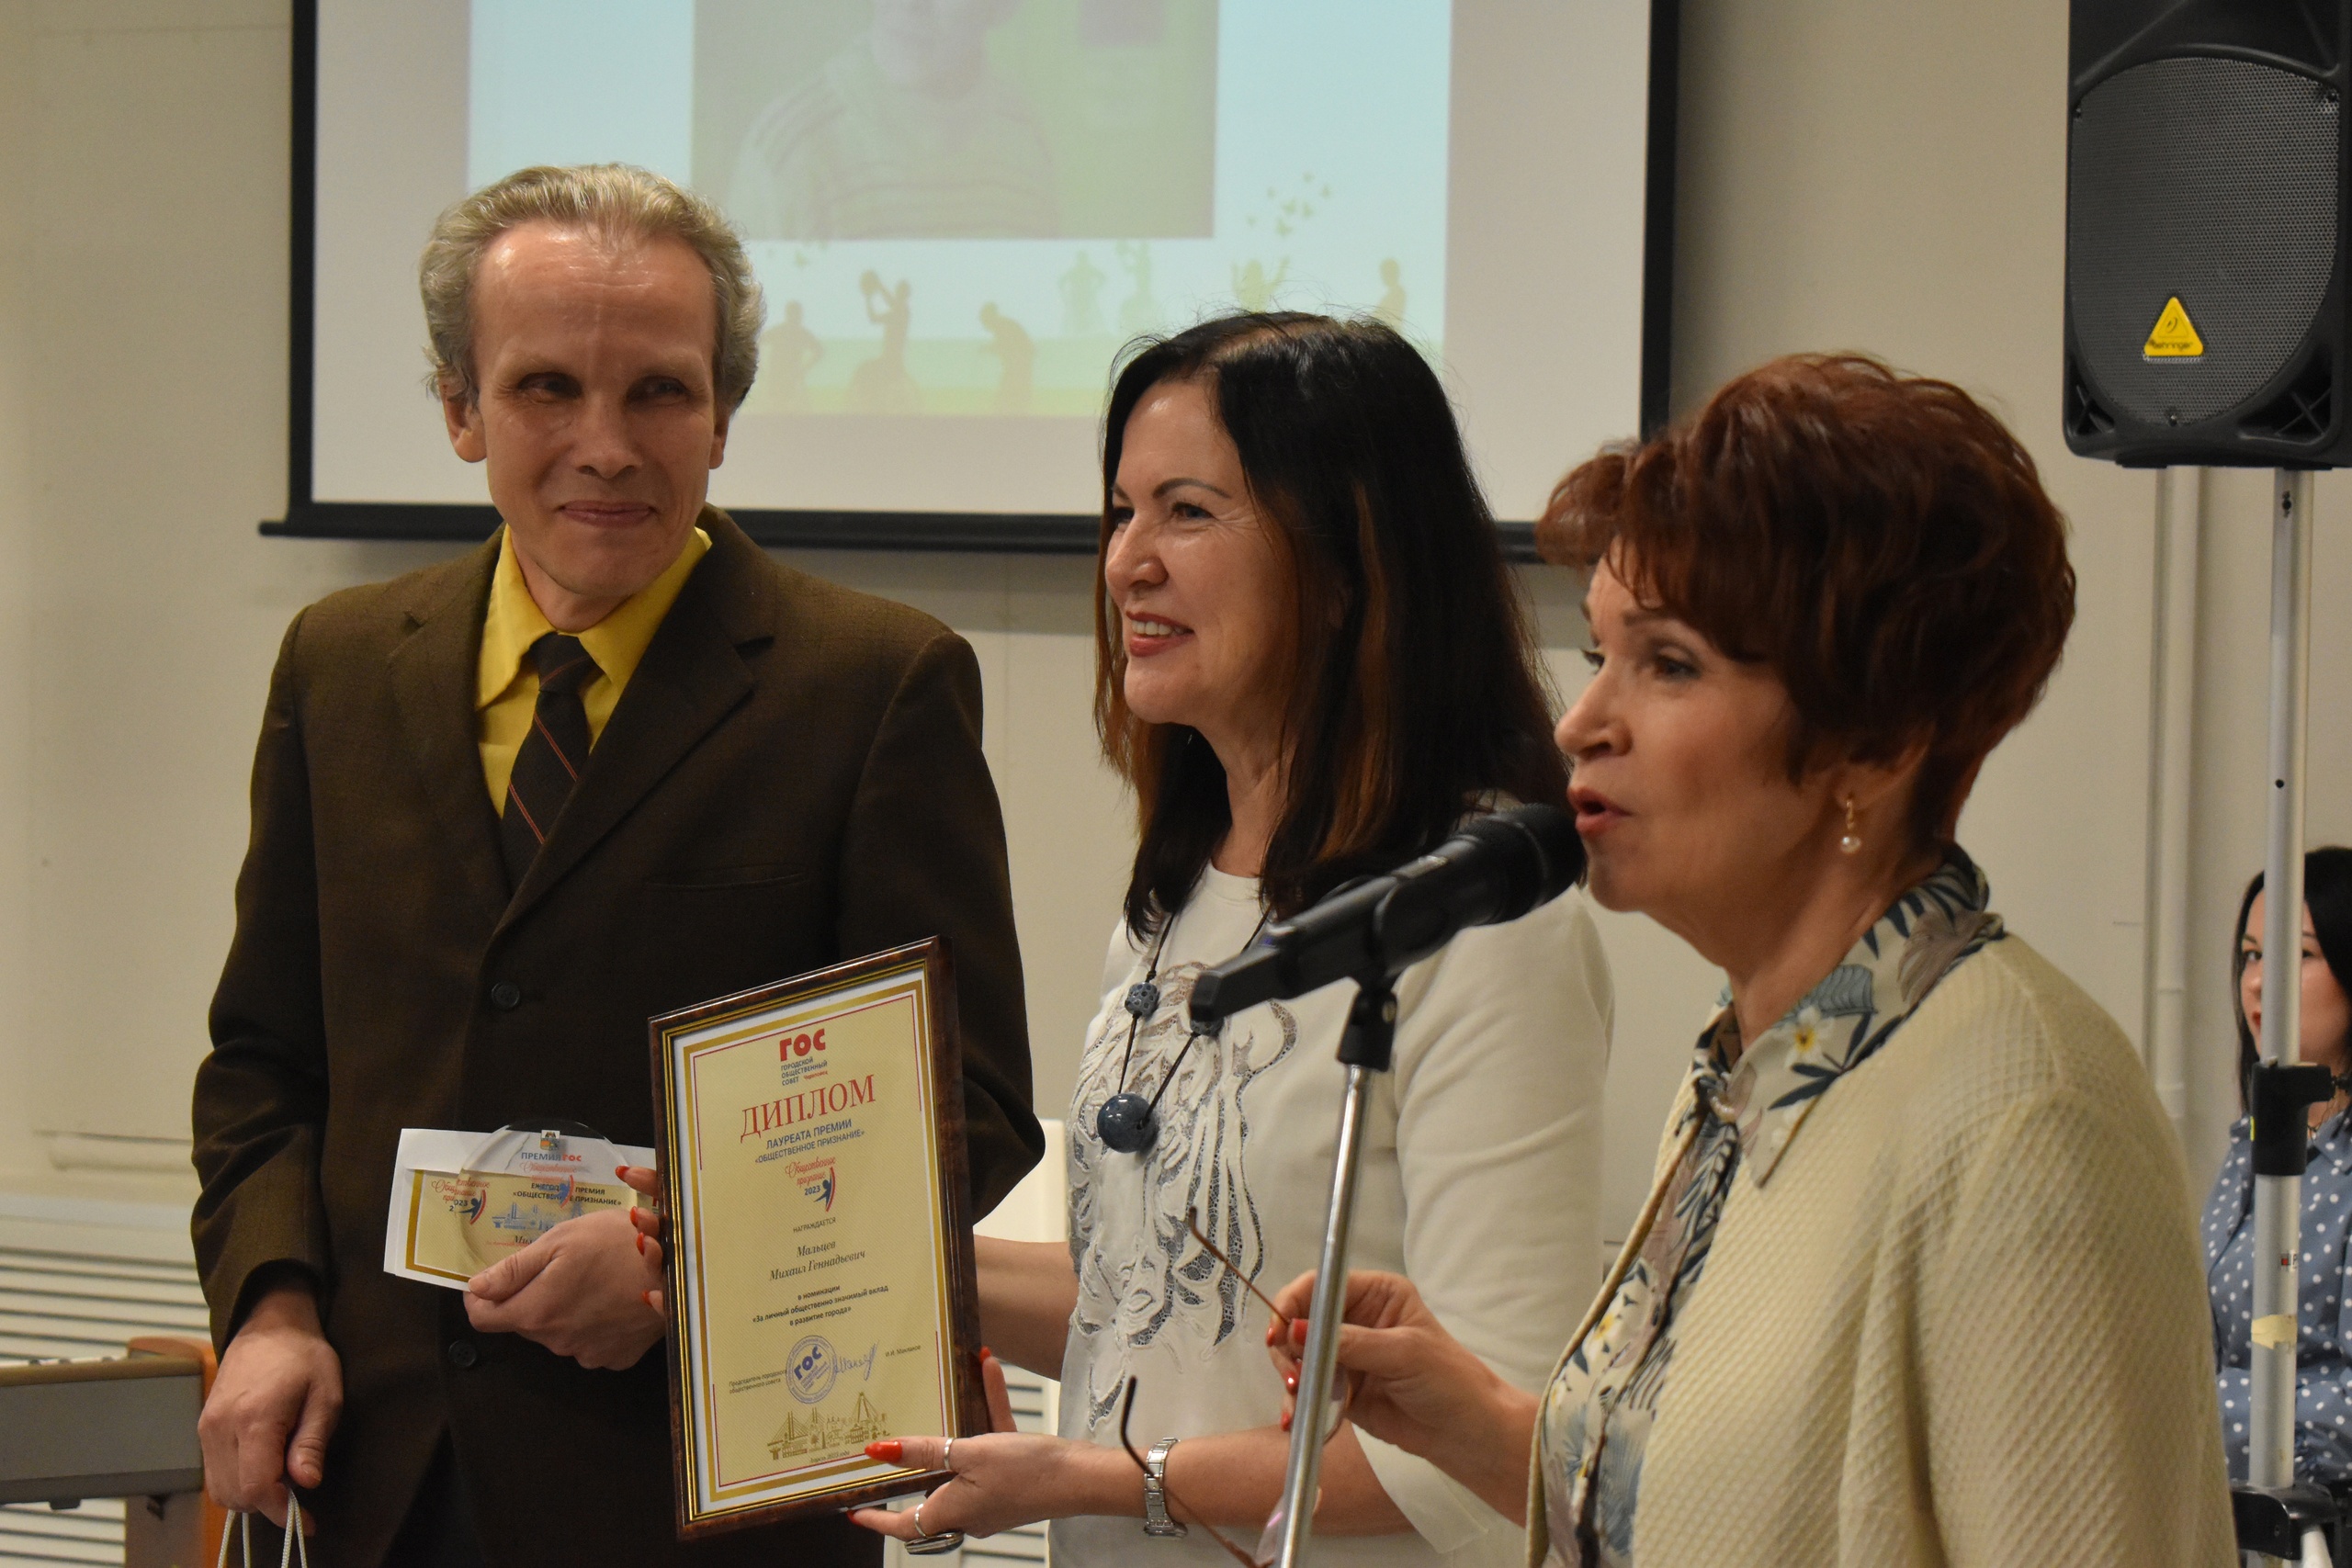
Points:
(810, 1374)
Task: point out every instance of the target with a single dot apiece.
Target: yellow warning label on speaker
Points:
(2174, 336)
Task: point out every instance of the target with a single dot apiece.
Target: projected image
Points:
(966, 207)
(895, 119)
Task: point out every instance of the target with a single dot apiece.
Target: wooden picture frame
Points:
(904, 1101)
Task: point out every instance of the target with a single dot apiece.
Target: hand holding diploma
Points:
(645, 1180)
(999, 1477)
(818, 1272)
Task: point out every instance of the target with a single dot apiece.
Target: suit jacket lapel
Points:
(692, 676)
(433, 684)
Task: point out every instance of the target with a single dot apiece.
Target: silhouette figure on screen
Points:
(1391, 307)
(1009, 341)
(1138, 312)
(907, 133)
(787, 354)
(1253, 288)
(1082, 299)
(882, 385)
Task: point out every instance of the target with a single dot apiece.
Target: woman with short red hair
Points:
(1919, 1279)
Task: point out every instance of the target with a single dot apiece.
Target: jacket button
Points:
(506, 996)
(462, 1354)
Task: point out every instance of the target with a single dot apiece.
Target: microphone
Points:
(1495, 869)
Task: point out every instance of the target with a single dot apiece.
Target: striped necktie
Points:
(548, 761)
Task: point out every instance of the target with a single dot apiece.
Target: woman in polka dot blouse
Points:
(2324, 1351)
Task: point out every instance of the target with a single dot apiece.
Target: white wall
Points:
(1892, 178)
(1854, 175)
(152, 157)
(2231, 777)
(15, 534)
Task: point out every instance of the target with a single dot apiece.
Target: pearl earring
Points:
(1852, 843)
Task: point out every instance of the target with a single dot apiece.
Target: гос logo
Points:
(810, 1374)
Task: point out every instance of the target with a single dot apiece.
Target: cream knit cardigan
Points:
(1963, 1322)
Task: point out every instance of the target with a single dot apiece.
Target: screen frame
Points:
(979, 532)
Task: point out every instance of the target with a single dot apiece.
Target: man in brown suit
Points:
(504, 809)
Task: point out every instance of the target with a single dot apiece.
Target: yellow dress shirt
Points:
(506, 688)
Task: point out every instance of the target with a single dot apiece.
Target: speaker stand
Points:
(2282, 1091)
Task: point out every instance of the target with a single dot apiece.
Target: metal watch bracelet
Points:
(1155, 1491)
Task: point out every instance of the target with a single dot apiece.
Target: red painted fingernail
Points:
(889, 1451)
(1272, 1328)
(1298, 1331)
(640, 1242)
(646, 1297)
(1286, 1420)
(621, 1172)
(987, 1354)
(1290, 1381)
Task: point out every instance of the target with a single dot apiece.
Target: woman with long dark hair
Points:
(2323, 1345)
(1311, 665)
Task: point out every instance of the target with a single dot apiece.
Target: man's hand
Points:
(274, 1405)
(589, 1289)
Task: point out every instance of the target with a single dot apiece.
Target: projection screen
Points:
(960, 210)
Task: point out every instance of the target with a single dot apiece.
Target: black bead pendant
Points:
(1127, 1123)
(1143, 1000)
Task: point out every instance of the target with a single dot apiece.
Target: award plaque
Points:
(462, 1202)
(821, 1287)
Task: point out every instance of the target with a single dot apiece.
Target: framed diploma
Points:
(822, 1292)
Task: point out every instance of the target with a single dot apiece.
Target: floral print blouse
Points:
(1741, 1112)
(2323, 1331)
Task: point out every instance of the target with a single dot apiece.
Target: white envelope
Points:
(463, 1200)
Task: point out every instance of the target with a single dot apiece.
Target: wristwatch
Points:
(1155, 1491)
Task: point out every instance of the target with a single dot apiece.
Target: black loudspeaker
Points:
(2206, 162)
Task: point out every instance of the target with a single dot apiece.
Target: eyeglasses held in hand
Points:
(1335, 1414)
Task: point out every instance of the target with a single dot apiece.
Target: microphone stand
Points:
(1365, 1048)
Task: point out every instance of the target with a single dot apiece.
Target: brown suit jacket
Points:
(793, 777)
